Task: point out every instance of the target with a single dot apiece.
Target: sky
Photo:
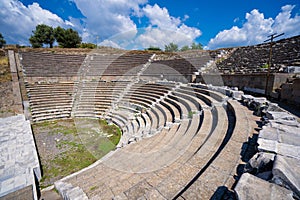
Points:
(139, 24)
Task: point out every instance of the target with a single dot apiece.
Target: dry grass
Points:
(3, 60)
(5, 75)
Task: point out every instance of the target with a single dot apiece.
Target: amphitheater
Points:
(188, 129)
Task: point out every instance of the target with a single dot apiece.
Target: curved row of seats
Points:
(50, 101)
(171, 124)
(166, 163)
(174, 136)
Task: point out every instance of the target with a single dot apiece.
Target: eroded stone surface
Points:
(287, 170)
(260, 161)
(250, 187)
(18, 155)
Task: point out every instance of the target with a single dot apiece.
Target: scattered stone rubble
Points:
(273, 172)
(278, 158)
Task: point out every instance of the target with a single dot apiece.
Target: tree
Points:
(88, 45)
(185, 48)
(59, 33)
(67, 38)
(171, 47)
(152, 48)
(43, 34)
(35, 42)
(2, 40)
(196, 46)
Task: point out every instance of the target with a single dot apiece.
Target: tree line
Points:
(44, 34)
(2, 41)
(69, 38)
(172, 47)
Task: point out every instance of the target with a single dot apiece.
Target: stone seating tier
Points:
(251, 59)
(165, 174)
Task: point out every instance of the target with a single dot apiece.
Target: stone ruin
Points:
(180, 139)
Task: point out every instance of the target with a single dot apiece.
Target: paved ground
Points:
(18, 155)
(6, 90)
(50, 195)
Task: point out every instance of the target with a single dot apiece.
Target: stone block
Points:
(285, 128)
(274, 123)
(269, 133)
(274, 95)
(252, 188)
(237, 94)
(287, 170)
(274, 107)
(267, 145)
(273, 115)
(261, 161)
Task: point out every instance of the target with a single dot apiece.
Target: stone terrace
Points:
(19, 160)
(179, 140)
(165, 164)
(37, 64)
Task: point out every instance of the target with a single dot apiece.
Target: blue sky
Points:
(137, 24)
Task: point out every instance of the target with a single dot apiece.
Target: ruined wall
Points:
(290, 92)
(242, 81)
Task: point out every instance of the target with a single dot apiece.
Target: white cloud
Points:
(17, 21)
(164, 29)
(284, 22)
(110, 43)
(105, 18)
(111, 21)
(256, 29)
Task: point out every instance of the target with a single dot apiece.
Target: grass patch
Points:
(63, 150)
(106, 146)
(3, 61)
(5, 75)
(93, 188)
(111, 130)
(64, 127)
(66, 163)
(190, 114)
(265, 66)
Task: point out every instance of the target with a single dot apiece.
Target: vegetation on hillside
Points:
(2, 40)
(67, 38)
(153, 48)
(88, 46)
(172, 47)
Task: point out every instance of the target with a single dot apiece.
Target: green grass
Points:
(190, 114)
(106, 146)
(111, 130)
(67, 163)
(68, 127)
(265, 66)
(74, 154)
(94, 188)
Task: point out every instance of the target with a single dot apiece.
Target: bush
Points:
(88, 46)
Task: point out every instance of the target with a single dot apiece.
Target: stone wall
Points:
(15, 83)
(290, 92)
(254, 82)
